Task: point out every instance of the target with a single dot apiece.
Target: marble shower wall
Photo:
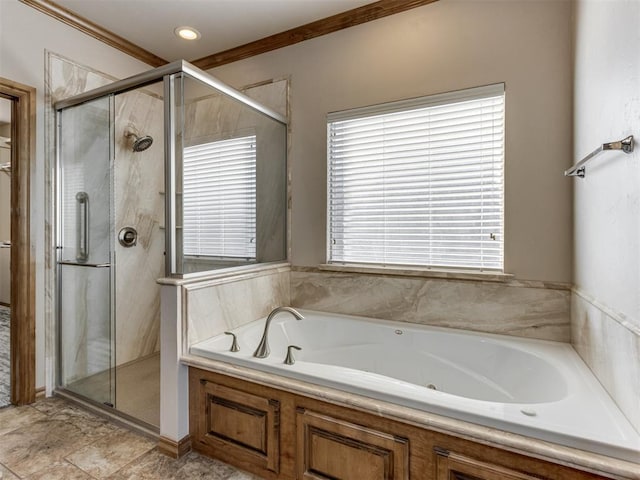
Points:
(214, 306)
(525, 309)
(138, 183)
(610, 345)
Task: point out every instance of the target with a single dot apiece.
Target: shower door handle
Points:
(82, 222)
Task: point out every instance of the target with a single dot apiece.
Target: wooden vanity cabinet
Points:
(279, 435)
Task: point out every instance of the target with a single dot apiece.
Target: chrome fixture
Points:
(82, 225)
(139, 143)
(6, 168)
(578, 170)
(290, 360)
(128, 237)
(234, 344)
(263, 348)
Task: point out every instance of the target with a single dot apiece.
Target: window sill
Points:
(488, 276)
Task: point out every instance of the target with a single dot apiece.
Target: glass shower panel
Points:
(230, 181)
(86, 340)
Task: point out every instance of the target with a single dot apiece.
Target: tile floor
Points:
(5, 393)
(55, 440)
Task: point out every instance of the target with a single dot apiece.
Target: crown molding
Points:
(340, 21)
(96, 31)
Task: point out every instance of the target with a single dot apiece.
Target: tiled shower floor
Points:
(55, 440)
(137, 388)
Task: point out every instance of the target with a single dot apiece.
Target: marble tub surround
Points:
(219, 304)
(610, 345)
(55, 440)
(510, 308)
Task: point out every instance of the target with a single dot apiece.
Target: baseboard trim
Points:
(41, 393)
(174, 449)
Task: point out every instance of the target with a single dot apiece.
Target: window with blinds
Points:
(219, 199)
(419, 182)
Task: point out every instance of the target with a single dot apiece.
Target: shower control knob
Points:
(128, 237)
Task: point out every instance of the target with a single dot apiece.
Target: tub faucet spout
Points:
(263, 348)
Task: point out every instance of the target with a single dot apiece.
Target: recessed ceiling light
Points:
(188, 33)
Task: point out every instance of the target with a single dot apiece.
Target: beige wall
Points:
(445, 46)
(606, 301)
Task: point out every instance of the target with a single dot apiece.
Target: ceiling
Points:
(224, 24)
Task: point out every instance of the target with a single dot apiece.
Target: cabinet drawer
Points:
(329, 448)
(239, 424)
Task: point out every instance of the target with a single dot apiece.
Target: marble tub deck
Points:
(55, 440)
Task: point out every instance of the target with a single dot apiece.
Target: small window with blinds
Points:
(419, 182)
(219, 199)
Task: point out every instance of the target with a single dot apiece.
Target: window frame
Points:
(475, 93)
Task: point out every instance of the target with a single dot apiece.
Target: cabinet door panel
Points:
(329, 448)
(452, 466)
(240, 425)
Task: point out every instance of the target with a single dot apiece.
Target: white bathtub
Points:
(537, 388)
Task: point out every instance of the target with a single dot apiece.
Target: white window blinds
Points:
(419, 182)
(219, 199)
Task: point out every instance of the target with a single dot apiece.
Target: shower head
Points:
(140, 143)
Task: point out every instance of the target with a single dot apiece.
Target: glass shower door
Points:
(86, 336)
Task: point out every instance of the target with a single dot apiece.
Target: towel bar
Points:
(626, 145)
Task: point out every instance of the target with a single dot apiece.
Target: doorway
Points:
(22, 106)
(5, 250)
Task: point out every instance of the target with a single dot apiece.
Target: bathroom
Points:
(560, 233)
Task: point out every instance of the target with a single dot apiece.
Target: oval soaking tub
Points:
(532, 387)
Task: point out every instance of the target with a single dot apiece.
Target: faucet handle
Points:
(289, 360)
(234, 344)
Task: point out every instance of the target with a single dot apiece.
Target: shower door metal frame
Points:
(173, 153)
(79, 263)
(172, 75)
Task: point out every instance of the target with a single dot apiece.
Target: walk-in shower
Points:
(167, 173)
